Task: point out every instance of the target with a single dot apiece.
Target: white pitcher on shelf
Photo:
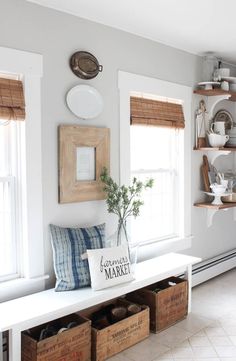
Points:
(219, 127)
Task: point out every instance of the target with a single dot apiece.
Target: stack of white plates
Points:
(231, 143)
(232, 137)
(232, 81)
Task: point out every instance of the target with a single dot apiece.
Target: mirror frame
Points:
(70, 137)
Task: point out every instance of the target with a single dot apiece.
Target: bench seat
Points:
(29, 311)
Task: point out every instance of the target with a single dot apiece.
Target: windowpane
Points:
(154, 153)
(8, 158)
(7, 244)
(5, 150)
(152, 147)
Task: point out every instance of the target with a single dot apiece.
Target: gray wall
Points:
(56, 36)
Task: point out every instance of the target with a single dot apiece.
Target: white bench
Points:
(29, 311)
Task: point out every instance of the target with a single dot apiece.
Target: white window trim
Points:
(128, 83)
(30, 66)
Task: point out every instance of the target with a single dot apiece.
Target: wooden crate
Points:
(120, 335)
(167, 306)
(71, 345)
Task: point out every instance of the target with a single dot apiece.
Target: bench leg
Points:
(14, 345)
(188, 276)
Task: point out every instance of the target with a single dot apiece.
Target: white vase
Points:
(210, 64)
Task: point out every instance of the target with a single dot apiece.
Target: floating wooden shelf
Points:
(214, 92)
(215, 96)
(224, 149)
(211, 92)
(214, 206)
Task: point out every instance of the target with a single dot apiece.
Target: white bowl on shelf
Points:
(217, 140)
(218, 188)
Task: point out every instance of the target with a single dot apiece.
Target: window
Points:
(11, 182)
(21, 229)
(155, 152)
(133, 85)
(7, 206)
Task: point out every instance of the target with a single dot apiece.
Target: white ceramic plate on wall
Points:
(84, 101)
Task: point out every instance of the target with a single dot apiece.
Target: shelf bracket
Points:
(213, 100)
(210, 215)
(212, 155)
(212, 212)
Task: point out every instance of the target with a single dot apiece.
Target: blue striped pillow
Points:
(68, 245)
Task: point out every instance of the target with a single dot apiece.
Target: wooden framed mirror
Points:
(83, 152)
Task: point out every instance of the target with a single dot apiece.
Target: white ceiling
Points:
(196, 26)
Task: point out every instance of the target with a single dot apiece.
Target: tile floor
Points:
(208, 333)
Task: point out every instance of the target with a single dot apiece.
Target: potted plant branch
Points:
(124, 201)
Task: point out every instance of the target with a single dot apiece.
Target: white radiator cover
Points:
(213, 267)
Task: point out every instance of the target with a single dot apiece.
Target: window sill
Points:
(151, 250)
(21, 287)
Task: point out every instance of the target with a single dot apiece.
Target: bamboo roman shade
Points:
(12, 102)
(145, 111)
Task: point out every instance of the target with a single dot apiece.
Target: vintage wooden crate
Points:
(167, 306)
(118, 336)
(71, 345)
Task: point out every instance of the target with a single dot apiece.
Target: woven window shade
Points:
(155, 112)
(12, 102)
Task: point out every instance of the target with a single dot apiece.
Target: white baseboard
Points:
(214, 267)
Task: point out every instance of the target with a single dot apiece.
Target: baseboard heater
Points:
(213, 267)
(5, 347)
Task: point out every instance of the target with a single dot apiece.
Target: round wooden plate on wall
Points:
(85, 65)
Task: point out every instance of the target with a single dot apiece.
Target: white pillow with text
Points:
(109, 267)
